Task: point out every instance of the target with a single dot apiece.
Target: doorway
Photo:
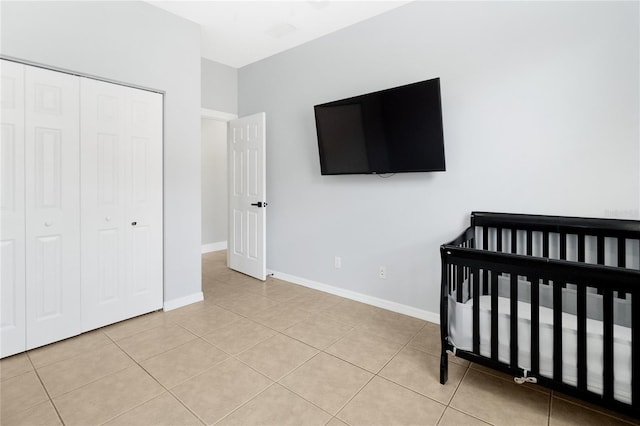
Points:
(214, 180)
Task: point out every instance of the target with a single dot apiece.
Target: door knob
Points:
(259, 204)
(108, 219)
(48, 224)
(134, 223)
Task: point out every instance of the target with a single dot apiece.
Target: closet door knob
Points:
(48, 224)
(107, 219)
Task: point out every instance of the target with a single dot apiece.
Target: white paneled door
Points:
(121, 202)
(247, 195)
(52, 195)
(12, 228)
(103, 201)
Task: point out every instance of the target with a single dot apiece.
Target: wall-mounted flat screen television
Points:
(396, 130)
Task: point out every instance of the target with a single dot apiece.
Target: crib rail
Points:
(612, 242)
(528, 247)
(578, 225)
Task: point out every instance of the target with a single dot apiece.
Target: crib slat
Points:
(622, 252)
(557, 331)
(607, 340)
(582, 337)
(459, 277)
(494, 316)
(513, 314)
(485, 238)
(581, 248)
(563, 245)
(545, 249)
(529, 242)
(470, 284)
(476, 310)
(545, 244)
(499, 239)
(600, 250)
(514, 241)
(535, 326)
(485, 245)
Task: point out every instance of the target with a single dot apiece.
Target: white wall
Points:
(541, 115)
(139, 44)
(219, 86)
(214, 182)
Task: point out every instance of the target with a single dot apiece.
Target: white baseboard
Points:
(207, 248)
(359, 297)
(170, 305)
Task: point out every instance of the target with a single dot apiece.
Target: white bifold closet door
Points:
(81, 205)
(121, 193)
(52, 204)
(12, 228)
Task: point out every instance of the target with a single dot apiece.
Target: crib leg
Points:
(444, 367)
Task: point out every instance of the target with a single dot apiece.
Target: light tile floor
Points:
(269, 353)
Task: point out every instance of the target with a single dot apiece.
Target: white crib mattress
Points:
(461, 337)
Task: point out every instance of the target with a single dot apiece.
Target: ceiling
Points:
(237, 33)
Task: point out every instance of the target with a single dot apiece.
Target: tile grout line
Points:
(466, 373)
(469, 415)
(401, 385)
(286, 375)
(245, 402)
(311, 402)
(201, 420)
(35, 370)
(596, 409)
(374, 375)
(454, 394)
(273, 382)
(76, 356)
(157, 381)
(319, 352)
(158, 312)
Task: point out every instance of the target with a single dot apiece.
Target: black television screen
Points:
(391, 131)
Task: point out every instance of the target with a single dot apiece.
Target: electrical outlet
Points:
(337, 262)
(382, 273)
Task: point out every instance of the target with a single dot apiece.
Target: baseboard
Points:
(359, 297)
(208, 248)
(170, 305)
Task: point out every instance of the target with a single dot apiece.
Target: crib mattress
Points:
(461, 337)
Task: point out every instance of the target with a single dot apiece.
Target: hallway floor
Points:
(271, 353)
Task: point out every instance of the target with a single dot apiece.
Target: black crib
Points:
(583, 271)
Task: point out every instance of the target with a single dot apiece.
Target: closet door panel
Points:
(12, 211)
(103, 204)
(121, 202)
(143, 133)
(52, 206)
